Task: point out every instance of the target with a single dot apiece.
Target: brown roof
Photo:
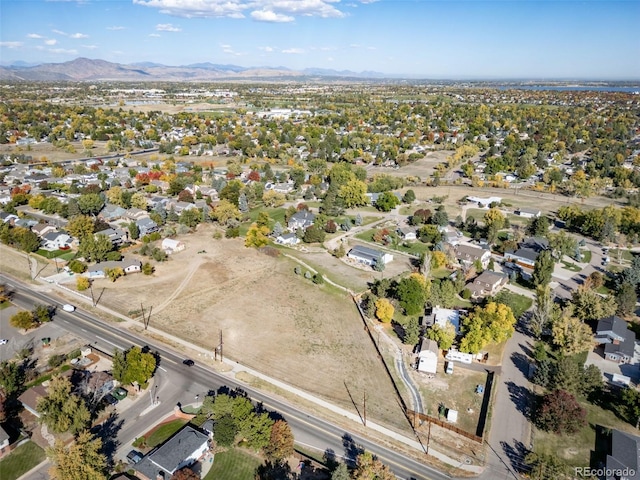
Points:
(30, 397)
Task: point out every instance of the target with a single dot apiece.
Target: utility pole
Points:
(428, 438)
(220, 347)
(364, 408)
(93, 299)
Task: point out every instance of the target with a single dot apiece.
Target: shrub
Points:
(466, 294)
(82, 283)
(76, 266)
(148, 269)
(232, 232)
(74, 354)
(56, 360)
(318, 279)
(139, 442)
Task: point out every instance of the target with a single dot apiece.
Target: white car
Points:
(3, 341)
(68, 307)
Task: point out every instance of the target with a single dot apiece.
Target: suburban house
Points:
(407, 233)
(369, 256)
(527, 254)
(117, 236)
(287, 239)
(442, 316)
(183, 449)
(284, 187)
(9, 218)
(484, 202)
(56, 241)
(450, 235)
(302, 219)
(111, 212)
(528, 212)
(146, 226)
(169, 245)
(619, 342)
(4, 441)
(624, 455)
(467, 255)
(428, 356)
(487, 283)
(41, 229)
(127, 265)
(136, 214)
(29, 399)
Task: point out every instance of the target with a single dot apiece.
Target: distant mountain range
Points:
(85, 69)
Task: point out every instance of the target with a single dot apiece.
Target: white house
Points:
(169, 245)
(287, 239)
(369, 256)
(428, 356)
(56, 240)
(407, 233)
(528, 212)
(484, 202)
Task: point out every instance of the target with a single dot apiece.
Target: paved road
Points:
(181, 383)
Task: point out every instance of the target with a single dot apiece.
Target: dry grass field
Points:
(272, 320)
(422, 168)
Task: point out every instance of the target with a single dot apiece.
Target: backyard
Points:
(21, 460)
(235, 463)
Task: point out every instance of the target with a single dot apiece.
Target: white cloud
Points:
(294, 51)
(157, 35)
(268, 16)
(90, 47)
(60, 32)
(266, 49)
(11, 44)
(260, 10)
(34, 35)
(167, 27)
(63, 51)
(115, 27)
(50, 42)
(79, 35)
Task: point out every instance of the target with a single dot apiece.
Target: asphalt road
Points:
(179, 383)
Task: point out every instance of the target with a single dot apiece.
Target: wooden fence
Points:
(415, 416)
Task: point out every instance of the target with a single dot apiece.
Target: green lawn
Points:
(518, 303)
(164, 432)
(235, 464)
(570, 266)
(586, 255)
(20, 461)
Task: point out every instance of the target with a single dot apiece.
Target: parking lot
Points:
(18, 340)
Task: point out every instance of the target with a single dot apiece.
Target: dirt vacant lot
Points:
(422, 168)
(272, 320)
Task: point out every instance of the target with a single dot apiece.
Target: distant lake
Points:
(569, 88)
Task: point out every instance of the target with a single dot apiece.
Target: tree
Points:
(82, 283)
(411, 332)
(384, 310)
(543, 268)
(134, 365)
(589, 305)
(538, 226)
(90, 203)
(592, 382)
(440, 217)
(243, 204)
(225, 212)
(626, 299)
(562, 244)
(95, 248)
(409, 196)
(560, 413)
(257, 236)
(134, 231)
(271, 198)
(23, 320)
(114, 273)
(443, 335)
(314, 234)
(493, 322)
(185, 474)
(353, 193)
(571, 335)
(341, 472)
(62, 411)
(545, 467)
(80, 226)
(411, 294)
(190, 217)
(280, 443)
(542, 313)
(387, 201)
(81, 460)
(147, 268)
(42, 313)
(11, 377)
(370, 468)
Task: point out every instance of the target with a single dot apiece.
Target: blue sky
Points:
(431, 39)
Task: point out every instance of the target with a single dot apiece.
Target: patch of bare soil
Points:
(272, 320)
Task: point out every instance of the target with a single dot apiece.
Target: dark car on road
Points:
(134, 456)
(188, 362)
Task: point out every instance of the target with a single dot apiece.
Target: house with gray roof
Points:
(56, 241)
(528, 251)
(467, 255)
(146, 226)
(111, 212)
(623, 456)
(183, 449)
(302, 219)
(619, 342)
(488, 283)
(128, 265)
(117, 236)
(369, 256)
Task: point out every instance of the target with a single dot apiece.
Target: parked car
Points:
(134, 456)
(188, 362)
(3, 341)
(67, 307)
(449, 369)
(110, 399)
